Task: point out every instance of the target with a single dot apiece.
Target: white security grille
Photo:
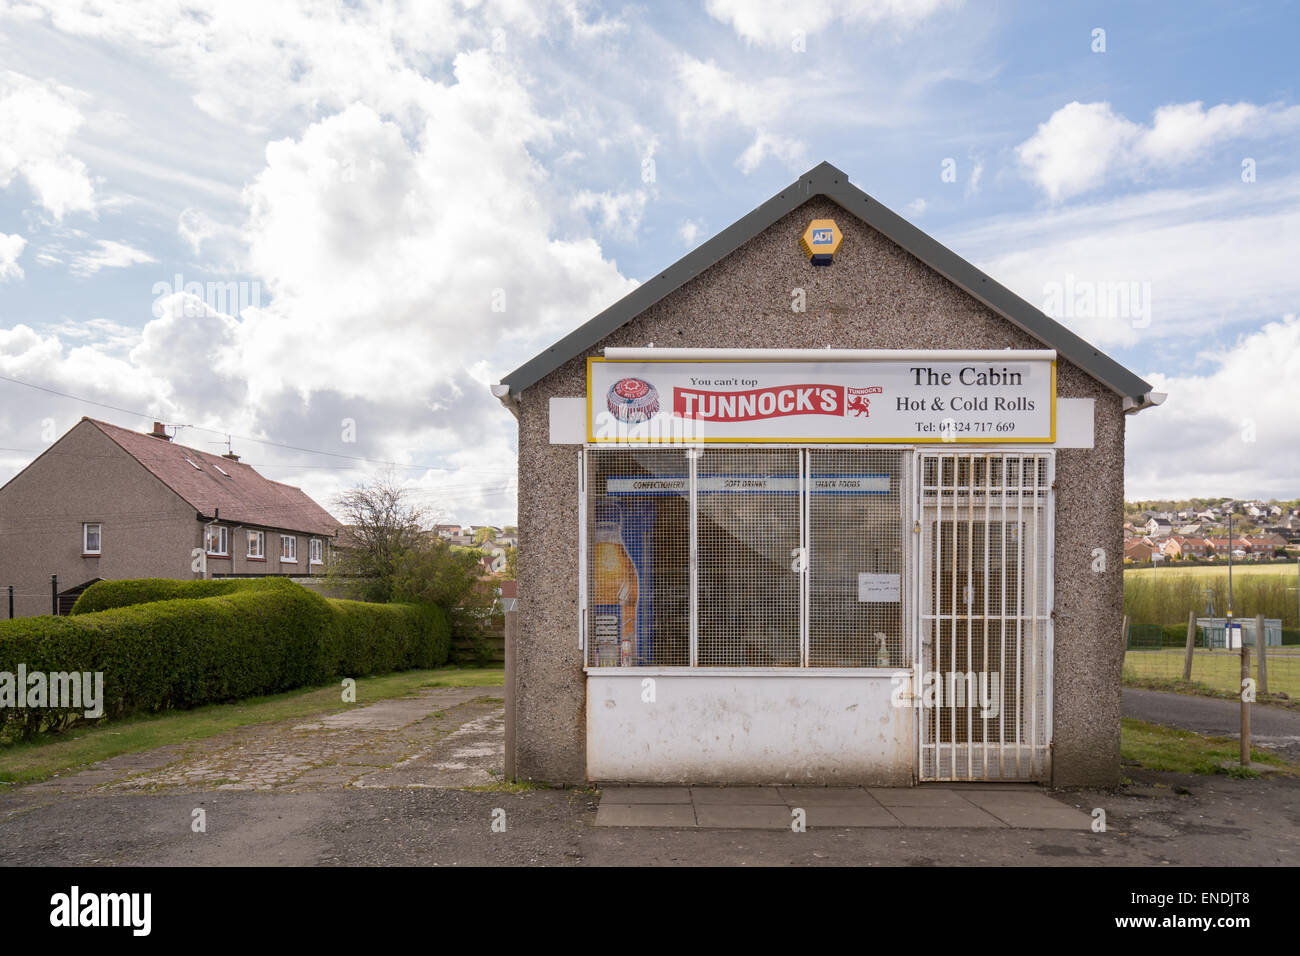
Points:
(984, 654)
(749, 530)
(855, 541)
(637, 583)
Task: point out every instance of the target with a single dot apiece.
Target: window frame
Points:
(260, 538)
(85, 536)
(223, 539)
(315, 547)
(696, 477)
(292, 539)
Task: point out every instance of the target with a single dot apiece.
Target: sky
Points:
(323, 229)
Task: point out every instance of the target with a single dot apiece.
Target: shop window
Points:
(748, 501)
(798, 558)
(855, 519)
(638, 559)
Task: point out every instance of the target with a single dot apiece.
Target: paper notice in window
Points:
(878, 588)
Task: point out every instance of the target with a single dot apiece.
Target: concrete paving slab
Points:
(827, 797)
(917, 797)
(739, 817)
(1011, 798)
(1043, 818)
(628, 795)
(841, 816)
(737, 796)
(645, 815)
(941, 816)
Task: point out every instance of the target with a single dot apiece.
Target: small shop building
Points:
(823, 504)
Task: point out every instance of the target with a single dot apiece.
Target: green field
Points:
(1211, 570)
(1167, 595)
(1216, 670)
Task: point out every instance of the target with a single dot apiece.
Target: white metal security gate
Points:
(984, 600)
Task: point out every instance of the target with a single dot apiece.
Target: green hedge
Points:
(376, 638)
(263, 637)
(104, 595)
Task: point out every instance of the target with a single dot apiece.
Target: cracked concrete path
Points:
(439, 737)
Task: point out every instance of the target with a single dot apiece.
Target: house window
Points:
(218, 540)
(288, 548)
(257, 544)
(90, 539)
(317, 551)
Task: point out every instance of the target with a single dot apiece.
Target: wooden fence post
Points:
(1191, 645)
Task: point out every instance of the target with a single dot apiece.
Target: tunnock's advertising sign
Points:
(1000, 398)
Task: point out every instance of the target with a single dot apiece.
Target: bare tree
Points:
(381, 525)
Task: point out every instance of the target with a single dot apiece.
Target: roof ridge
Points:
(827, 180)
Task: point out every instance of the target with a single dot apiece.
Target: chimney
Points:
(231, 455)
(160, 431)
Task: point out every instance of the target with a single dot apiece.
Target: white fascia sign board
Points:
(991, 397)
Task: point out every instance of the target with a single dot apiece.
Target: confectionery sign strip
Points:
(1004, 397)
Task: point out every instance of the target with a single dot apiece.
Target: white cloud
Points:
(1210, 257)
(109, 255)
(792, 153)
(195, 227)
(11, 247)
(690, 232)
(353, 225)
(917, 207)
(620, 213)
(709, 95)
(384, 230)
(774, 22)
(1231, 430)
(38, 120)
(1083, 143)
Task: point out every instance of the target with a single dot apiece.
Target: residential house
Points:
(1187, 547)
(1138, 550)
(1266, 544)
(105, 502)
(1157, 526)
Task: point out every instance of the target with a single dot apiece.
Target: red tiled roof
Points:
(241, 495)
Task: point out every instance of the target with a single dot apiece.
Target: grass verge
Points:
(1156, 747)
(52, 754)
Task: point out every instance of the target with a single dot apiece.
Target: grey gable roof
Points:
(826, 180)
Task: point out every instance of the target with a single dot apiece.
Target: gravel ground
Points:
(384, 785)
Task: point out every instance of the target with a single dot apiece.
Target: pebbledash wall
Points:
(876, 295)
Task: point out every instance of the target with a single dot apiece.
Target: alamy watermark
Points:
(980, 691)
(53, 690)
(1107, 299)
(228, 298)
